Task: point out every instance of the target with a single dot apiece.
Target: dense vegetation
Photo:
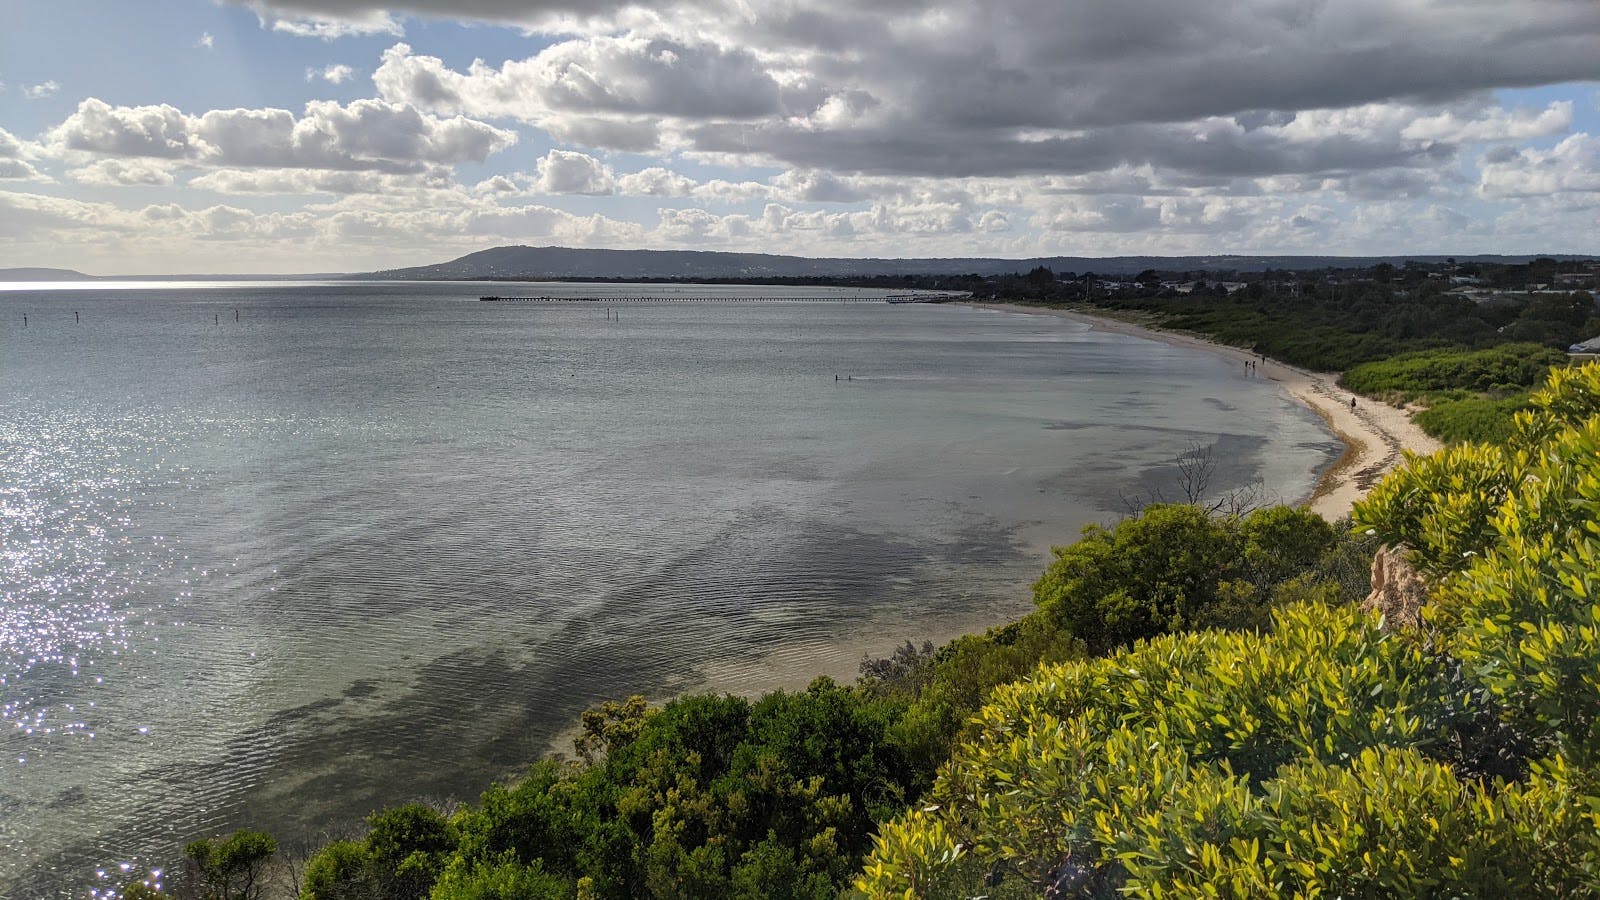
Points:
(1329, 756)
(1471, 395)
(1434, 375)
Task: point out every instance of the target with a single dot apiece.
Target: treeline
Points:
(780, 797)
(1332, 327)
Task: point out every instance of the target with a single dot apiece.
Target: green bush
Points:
(341, 870)
(505, 879)
(1214, 764)
(231, 868)
(955, 682)
(1175, 567)
(1479, 419)
(1455, 374)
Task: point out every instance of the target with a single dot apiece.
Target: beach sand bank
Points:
(1374, 433)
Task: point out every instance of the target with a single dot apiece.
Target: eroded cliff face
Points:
(1398, 590)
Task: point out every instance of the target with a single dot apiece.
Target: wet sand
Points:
(1374, 433)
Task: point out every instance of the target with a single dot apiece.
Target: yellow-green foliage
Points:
(1520, 529)
(1084, 751)
(1455, 373)
(1316, 760)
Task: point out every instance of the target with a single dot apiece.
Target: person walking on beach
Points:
(1352, 404)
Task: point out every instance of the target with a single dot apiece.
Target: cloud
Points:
(338, 18)
(566, 172)
(336, 73)
(1009, 87)
(656, 181)
(315, 181)
(156, 131)
(121, 173)
(310, 20)
(1492, 125)
(886, 127)
(41, 90)
(206, 41)
(13, 163)
(604, 91)
(18, 170)
(1571, 166)
(362, 135)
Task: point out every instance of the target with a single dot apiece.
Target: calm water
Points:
(377, 542)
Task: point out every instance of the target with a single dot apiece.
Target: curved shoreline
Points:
(1374, 434)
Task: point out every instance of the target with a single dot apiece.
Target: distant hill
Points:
(37, 274)
(538, 263)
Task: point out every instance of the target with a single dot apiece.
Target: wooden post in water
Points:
(217, 317)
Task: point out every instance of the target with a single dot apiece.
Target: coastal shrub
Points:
(505, 879)
(1520, 611)
(231, 868)
(1513, 537)
(1479, 419)
(340, 870)
(1455, 374)
(1296, 763)
(1175, 567)
(405, 849)
(705, 797)
(953, 683)
(1086, 749)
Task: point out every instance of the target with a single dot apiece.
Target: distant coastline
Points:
(1375, 434)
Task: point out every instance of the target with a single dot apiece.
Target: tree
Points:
(231, 868)
(1146, 576)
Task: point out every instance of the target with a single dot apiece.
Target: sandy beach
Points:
(1374, 433)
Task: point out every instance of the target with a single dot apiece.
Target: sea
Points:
(278, 554)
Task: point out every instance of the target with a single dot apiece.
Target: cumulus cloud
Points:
(41, 90)
(1571, 166)
(362, 135)
(656, 181)
(338, 18)
(566, 172)
(315, 181)
(13, 164)
(336, 73)
(316, 21)
(206, 41)
(122, 173)
(605, 91)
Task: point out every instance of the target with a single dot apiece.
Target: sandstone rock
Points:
(1398, 591)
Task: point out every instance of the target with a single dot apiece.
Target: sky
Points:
(268, 136)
